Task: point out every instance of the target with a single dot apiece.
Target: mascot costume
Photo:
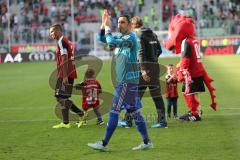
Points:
(190, 69)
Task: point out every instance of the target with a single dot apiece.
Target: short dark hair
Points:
(128, 17)
(170, 65)
(57, 26)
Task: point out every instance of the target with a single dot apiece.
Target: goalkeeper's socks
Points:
(111, 126)
(146, 141)
(141, 126)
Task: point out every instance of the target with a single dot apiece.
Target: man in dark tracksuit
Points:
(149, 51)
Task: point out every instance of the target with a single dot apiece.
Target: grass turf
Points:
(27, 115)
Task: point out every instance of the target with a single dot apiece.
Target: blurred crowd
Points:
(216, 13)
(30, 19)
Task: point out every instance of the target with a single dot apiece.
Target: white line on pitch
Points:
(229, 108)
(29, 120)
(22, 108)
(45, 108)
(46, 120)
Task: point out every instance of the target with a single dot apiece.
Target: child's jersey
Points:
(90, 93)
(172, 89)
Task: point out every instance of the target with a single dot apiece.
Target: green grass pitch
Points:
(27, 116)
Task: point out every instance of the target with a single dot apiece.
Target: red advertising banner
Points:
(39, 48)
(220, 46)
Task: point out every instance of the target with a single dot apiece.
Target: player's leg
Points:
(128, 119)
(142, 87)
(192, 99)
(66, 104)
(64, 110)
(117, 102)
(140, 125)
(199, 110)
(142, 129)
(169, 104)
(199, 89)
(133, 106)
(155, 92)
(141, 90)
(83, 119)
(60, 97)
(65, 114)
(159, 103)
(70, 103)
(99, 116)
(192, 104)
(174, 102)
(74, 108)
(111, 126)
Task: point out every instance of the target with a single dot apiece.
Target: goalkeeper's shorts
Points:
(126, 97)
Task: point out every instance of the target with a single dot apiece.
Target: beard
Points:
(120, 30)
(123, 31)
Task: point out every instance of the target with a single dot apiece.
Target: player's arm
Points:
(159, 49)
(142, 54)
(111, 40)
(142, 57)
(102, 38)
(79, 86)
(185, 55)
(171, 78)
(175, 79)
(101, 35)
(183, 65)
(64, 54)
(168, 78)
(65, 69)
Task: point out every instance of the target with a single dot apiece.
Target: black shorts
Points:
(62, 91)
(196, 86)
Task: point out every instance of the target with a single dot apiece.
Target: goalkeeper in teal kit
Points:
(127, 76)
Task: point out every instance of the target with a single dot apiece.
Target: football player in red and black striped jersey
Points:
(66, 73)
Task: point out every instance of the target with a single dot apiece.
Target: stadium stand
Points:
(30, 20)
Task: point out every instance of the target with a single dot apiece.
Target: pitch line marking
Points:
(45, 108)
(46, 120)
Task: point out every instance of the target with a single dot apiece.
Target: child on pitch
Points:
(91, 89)
(172, 90)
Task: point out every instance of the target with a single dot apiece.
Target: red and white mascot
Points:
(190, 69)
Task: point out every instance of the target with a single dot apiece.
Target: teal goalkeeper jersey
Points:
(126, 47)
